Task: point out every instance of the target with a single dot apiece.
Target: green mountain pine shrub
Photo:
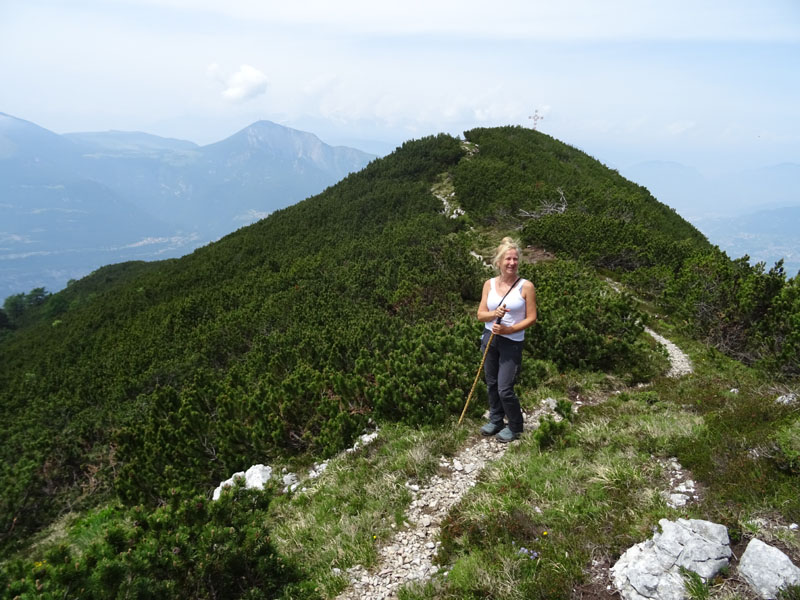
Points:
(189, 548)
(583, 323)
(787, 443)
(610, 223)
(742, 309)
(606, 242)
(253, 341)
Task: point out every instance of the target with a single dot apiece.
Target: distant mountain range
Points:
(754, 212)
(74, 202)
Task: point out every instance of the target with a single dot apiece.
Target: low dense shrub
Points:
(427, 375)
(190, 548)
(553, 434)
(747, 311)
(605, 241)
(584, 323)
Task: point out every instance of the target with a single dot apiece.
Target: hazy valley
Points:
(754, 212)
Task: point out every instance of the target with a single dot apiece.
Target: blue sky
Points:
(712, 84)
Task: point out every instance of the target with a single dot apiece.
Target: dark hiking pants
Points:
(501, 369)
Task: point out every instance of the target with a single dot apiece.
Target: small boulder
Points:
(255, 477)
(766, 569)
(290, 482)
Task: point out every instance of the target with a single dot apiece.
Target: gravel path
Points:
(681, 365)
(409, 555)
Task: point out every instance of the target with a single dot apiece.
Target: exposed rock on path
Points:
(657, 568)
(766, 569)
(682, 489)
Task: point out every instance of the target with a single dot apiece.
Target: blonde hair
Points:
(506, 244)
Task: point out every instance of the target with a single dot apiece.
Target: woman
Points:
(508, 307)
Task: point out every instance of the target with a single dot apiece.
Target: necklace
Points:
(503, 285)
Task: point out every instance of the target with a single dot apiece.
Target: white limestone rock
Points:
(766, 569)
(651, 570)
(290, 482)
(255, 477)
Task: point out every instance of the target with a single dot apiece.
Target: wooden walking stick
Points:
(477, 375)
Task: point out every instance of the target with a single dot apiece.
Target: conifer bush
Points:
(189, 548)
(604, 241)
(428, 374)
(583, 323)
(746, 311)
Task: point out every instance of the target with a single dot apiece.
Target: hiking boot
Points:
(506, 436)
(491, 428)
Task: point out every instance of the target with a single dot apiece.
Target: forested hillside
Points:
(148, 383)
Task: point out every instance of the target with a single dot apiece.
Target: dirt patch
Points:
(597, 585)
(533, 255)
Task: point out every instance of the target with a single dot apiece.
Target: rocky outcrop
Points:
(258, 475)
(652, 570)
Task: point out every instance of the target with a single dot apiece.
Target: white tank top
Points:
(515, 303)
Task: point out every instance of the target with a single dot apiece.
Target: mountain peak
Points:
(267, 134)
(278, 142)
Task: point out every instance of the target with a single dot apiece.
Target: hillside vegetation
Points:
(128, 396)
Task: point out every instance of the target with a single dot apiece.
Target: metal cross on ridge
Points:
(536, 117)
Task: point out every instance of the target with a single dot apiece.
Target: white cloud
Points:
(245, 84)
(39, 211)
(27, 255)
(251, 216)
(14, 237)
(679, 127)
(177, 241)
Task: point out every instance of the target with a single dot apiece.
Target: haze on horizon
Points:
(712, 85)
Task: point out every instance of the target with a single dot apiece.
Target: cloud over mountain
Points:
(245, 84)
